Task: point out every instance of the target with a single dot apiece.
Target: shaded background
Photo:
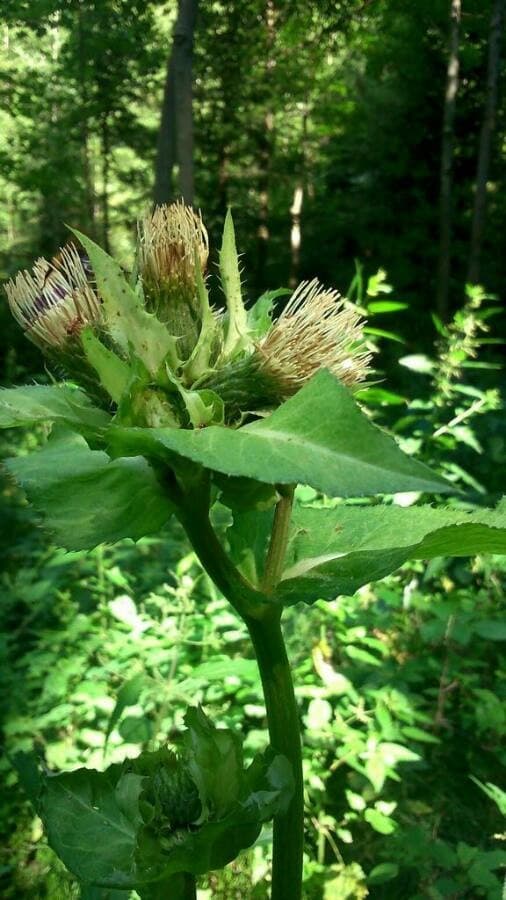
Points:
(350, 138)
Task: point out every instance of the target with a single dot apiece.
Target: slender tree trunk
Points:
(106, 151)
(295, 233)
(447, 144)
(89, 200)
(166, 148)
(265, 147)
(175, 136)
(264, 158)
(485, 147)
(296, 208)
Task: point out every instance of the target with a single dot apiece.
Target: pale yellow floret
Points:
(55, 300)
(316, 330)
(169, 240)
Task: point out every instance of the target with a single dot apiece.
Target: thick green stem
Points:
(284, 733)
(263, 619)
(189, 887)
(245, 599)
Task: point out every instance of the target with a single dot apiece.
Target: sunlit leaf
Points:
(335, 551)
(417, 362)
(49, 403)
(319, 437)
(381, 823)
(385, 306)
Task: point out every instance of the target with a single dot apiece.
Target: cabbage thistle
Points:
(163, 364)
(158, 352)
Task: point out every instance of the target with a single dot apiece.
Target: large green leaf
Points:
(49, 403)
(87, 499)
(318, 437)
(90, 828)
(248, 539)
(335, 551)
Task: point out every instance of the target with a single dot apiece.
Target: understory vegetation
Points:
(401, 688)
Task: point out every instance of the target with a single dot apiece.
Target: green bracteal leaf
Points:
(113, 372)
(318, 437)
(130, 325)
(237, 332)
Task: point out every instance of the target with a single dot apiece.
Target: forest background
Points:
(361, 142)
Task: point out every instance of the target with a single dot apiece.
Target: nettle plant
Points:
(172, 408)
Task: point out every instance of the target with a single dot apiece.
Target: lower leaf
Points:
(336, 551)
(87, 499)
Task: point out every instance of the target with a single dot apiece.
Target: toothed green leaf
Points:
(319, 437)
(209, 336)
(129, 324)
(49, 403)
(336, 551)
(87, 499)
(237, 337)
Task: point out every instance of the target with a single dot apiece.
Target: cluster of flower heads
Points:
(215, 352)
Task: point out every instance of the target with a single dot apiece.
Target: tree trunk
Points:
(106, 151)
(89, 193)
(264, 159)
(295, 234)
(175, 136)
(485, 147)
(301, 187)
(265, 147)
(447, 143)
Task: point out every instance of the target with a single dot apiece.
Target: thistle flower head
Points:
(54, 301)
(316, 330)
(171, 239)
